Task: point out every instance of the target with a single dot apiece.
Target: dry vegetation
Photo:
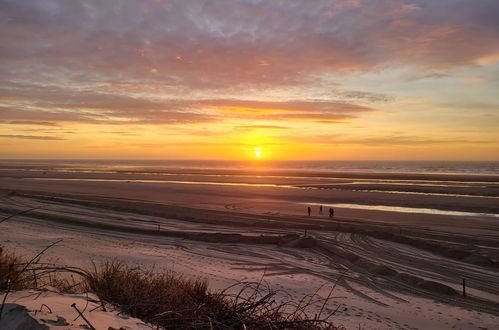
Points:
(11, 274)
(166, 299)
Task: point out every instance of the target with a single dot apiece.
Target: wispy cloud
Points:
(59, 105)
(29, 122)
(415, 140)
(262, 127)
(287, 110)
(30, 137)
(388, 140)
(196, 44)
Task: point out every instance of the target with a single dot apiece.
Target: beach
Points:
(395, 253)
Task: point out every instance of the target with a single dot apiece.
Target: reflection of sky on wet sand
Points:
(176, 181)
(406, 209)
(271, 185)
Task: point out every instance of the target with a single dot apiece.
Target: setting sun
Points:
(258, 152)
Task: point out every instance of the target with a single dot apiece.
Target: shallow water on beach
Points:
(274, 185)
(401, 209)
(463, 194)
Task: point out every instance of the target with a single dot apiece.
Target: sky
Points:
(243, 79)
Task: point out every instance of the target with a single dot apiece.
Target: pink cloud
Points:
(94, 61)
(196, 44)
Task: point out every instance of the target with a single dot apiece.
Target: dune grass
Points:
(173, 301)
(11, 274)
(164, 298)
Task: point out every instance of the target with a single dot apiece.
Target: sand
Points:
(53, 310)
(213, 231)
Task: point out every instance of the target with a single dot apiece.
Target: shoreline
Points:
(401, 176)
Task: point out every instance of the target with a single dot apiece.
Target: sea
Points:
(321, 166)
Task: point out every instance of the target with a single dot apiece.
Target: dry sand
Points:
(213, 231)
(51, 309)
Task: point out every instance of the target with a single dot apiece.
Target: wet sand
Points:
(392, 269)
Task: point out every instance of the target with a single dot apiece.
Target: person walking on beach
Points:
(320, 208)
(331, 212)
(309, 210)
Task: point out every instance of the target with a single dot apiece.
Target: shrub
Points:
(165, 298)
(11, 273)
(173, 301)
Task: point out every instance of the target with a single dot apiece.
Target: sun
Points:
(258, 152)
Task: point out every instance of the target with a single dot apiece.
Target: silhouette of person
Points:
(320, 208)
(309, 210)
(331, 212)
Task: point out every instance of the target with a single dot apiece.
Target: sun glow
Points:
(258, 152)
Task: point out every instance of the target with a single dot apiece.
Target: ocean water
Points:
(414, 167)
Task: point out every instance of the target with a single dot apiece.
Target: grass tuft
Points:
(166, 299)
(11, 274)
(172, 301)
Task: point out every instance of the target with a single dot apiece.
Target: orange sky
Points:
(227, 79)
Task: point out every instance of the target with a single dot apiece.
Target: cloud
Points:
(257, 127)
(414, 141)
(35, 103)
(195, 44)
(38, 103)
(29, 122)
(384, 140)
(287, 110)
(424, 75)
(31, 137)
(284, 106)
